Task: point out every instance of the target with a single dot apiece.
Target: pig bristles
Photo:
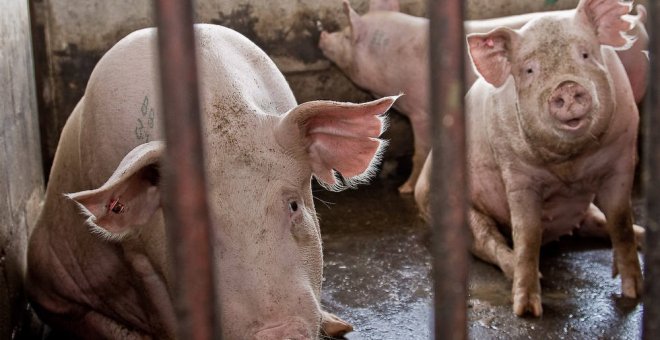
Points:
(95, 228)
(630, 39)
(343, 183)
(326, 203)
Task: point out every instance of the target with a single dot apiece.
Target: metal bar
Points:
(651, 181)
(187, 215)
(449, 175)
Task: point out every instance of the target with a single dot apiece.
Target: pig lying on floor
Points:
(552, 143)
(385, 52)
(97, 260)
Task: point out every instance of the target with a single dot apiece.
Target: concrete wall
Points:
(21, 183)
(72, 35)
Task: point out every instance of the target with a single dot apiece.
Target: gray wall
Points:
(72, 35)
(21, 183)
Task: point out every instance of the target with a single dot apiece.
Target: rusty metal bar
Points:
(651, 181)
(449, 175)
(187, 214)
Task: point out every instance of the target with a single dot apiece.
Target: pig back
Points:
(122, 105)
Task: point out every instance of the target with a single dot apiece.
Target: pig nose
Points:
(569, 103)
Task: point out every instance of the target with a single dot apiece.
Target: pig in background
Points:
(385, 51)
(552, 143)
(97, 259)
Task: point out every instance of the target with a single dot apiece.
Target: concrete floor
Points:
(377, 266)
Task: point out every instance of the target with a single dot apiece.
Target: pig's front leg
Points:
(421, 133)
(525, 205)
(614, 200)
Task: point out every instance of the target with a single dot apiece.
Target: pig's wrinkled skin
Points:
(98, 261)
(385, 51)
(552, 132)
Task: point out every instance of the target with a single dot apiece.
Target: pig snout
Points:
(293, 329)
(570, 103)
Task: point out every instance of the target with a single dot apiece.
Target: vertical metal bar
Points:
(186, 210)
(651, 181)
(449, 175)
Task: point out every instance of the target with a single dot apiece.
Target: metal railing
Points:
(187, 215)
(449, 175)
(651, 182)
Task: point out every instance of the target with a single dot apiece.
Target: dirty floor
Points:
(377, 266)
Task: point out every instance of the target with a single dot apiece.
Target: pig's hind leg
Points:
(420, 126)
(595, 225)
(332, 325)
(489, 244)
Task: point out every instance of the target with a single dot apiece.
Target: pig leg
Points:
(423, 189)
(488, 243)
(420, 126)
(527, 234)
(615, 203)
(332, 325)
(595, 225)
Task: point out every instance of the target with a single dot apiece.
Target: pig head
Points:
(98, 258)
(553, 128)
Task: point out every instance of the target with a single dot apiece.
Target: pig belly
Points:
(562, 215)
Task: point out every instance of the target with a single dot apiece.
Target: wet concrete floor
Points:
(377, 276)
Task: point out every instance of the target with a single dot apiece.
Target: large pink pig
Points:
(98, 261)
(552, 138)
(385, 51)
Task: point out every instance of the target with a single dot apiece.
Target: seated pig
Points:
(97, 259)
(385, 51)
(552, 137)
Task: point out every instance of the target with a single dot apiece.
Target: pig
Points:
(552, 128)
(384, 39)
(384, 51)
(98, 260)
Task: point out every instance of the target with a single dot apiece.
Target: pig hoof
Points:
(632, 285)
(524, 303)
(406, 189)
(332, 325)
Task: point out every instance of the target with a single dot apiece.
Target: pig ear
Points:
(337, 138)
(130, 197)
(491, 53)
(384, 5)
(607, 18)
(355, 21)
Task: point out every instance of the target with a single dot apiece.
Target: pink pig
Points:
(385, 51)
(97, 259)
(384, 39)
(552, 142)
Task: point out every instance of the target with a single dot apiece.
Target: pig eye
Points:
(293, 206)
(529, 71)
(585, 55)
